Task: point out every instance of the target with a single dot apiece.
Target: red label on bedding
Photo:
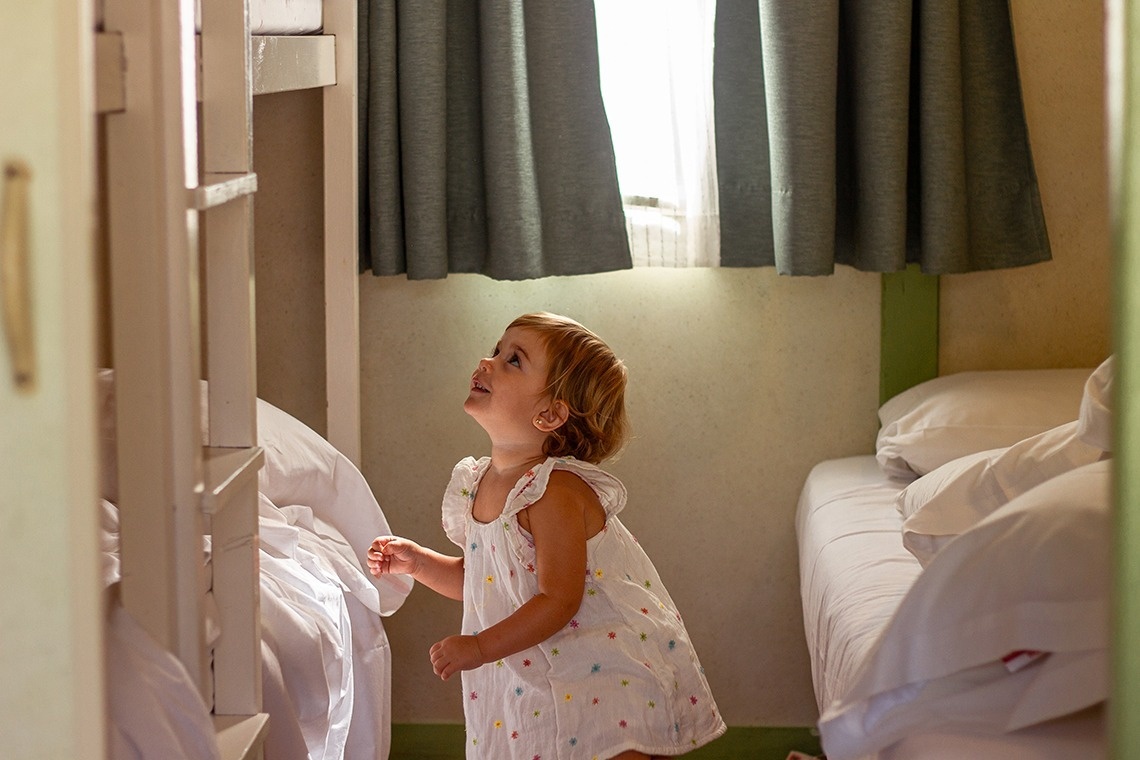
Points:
(1015, 661)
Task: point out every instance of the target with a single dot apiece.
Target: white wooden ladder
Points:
(182, 312)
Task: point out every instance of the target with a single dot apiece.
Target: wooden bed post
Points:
(342, 297)
(1124, 62)
(908, 351)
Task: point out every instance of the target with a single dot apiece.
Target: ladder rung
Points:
(281, 64)
(227, 468)
(222, 188)
(240, 736)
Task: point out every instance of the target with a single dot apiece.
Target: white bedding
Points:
(853, 568)
(284, 16)
(325, 657)
(326, 662)
(854, 572)
(265, 16)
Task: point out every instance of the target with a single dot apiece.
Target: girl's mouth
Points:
(478, 386)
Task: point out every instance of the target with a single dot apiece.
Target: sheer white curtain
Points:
(656, 73)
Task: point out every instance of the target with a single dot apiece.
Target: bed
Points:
(244, 590)
(955, 584)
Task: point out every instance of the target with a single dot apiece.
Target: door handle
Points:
(14, 274)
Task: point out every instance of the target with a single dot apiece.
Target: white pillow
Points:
(1033, 575)
(1096, 407)
(948, 417)
(954, 497)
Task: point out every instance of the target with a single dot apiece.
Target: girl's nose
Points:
(484, 365)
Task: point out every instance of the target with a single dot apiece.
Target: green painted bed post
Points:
(908, 353)
(1124, 705)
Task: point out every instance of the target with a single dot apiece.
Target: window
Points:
(656, 77)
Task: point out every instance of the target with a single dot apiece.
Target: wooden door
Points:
(51, 694)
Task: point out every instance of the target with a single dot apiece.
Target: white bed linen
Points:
(853, 567)
(154, 709)
(854, 571)
(326, 661)
(265, 16)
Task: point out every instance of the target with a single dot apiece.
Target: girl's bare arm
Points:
(401, 556)
(558, 527)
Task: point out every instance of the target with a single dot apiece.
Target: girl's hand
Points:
(455, 653)
(392, 555)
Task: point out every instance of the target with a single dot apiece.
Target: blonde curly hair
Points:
(590, 379)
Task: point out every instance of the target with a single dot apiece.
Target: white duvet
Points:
(313, 657)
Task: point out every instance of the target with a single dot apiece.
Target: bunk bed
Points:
(955, 584)
(223, 515)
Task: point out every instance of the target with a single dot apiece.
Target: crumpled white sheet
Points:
(154, 708)
(324, 686)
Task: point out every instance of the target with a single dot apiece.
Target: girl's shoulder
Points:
(553, 474)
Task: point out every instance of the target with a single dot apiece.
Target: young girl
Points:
(571, 647)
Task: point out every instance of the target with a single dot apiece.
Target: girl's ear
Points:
(553, 417)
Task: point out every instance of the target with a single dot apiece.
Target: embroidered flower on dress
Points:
(474, 695)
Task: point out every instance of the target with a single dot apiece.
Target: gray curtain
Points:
(484, 143)
(873, 133)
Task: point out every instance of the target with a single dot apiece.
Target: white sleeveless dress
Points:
(622, 675)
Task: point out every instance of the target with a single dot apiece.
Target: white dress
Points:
(621, 675)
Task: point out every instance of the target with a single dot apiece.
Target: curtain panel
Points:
(484, 143)
(873, 134)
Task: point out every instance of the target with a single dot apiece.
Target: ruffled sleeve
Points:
(458, 497)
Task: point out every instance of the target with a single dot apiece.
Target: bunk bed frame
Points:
(180, 239)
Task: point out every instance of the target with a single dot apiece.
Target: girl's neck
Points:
(511, 461)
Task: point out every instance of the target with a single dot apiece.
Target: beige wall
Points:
(1056, 313)
(740, 380)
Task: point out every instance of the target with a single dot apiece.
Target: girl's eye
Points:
(494, 352)
(513, 360)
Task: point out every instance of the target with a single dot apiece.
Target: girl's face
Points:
(508, 388)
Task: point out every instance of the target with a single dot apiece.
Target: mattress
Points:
(284, 17)
(853, 567)
(854, 572)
